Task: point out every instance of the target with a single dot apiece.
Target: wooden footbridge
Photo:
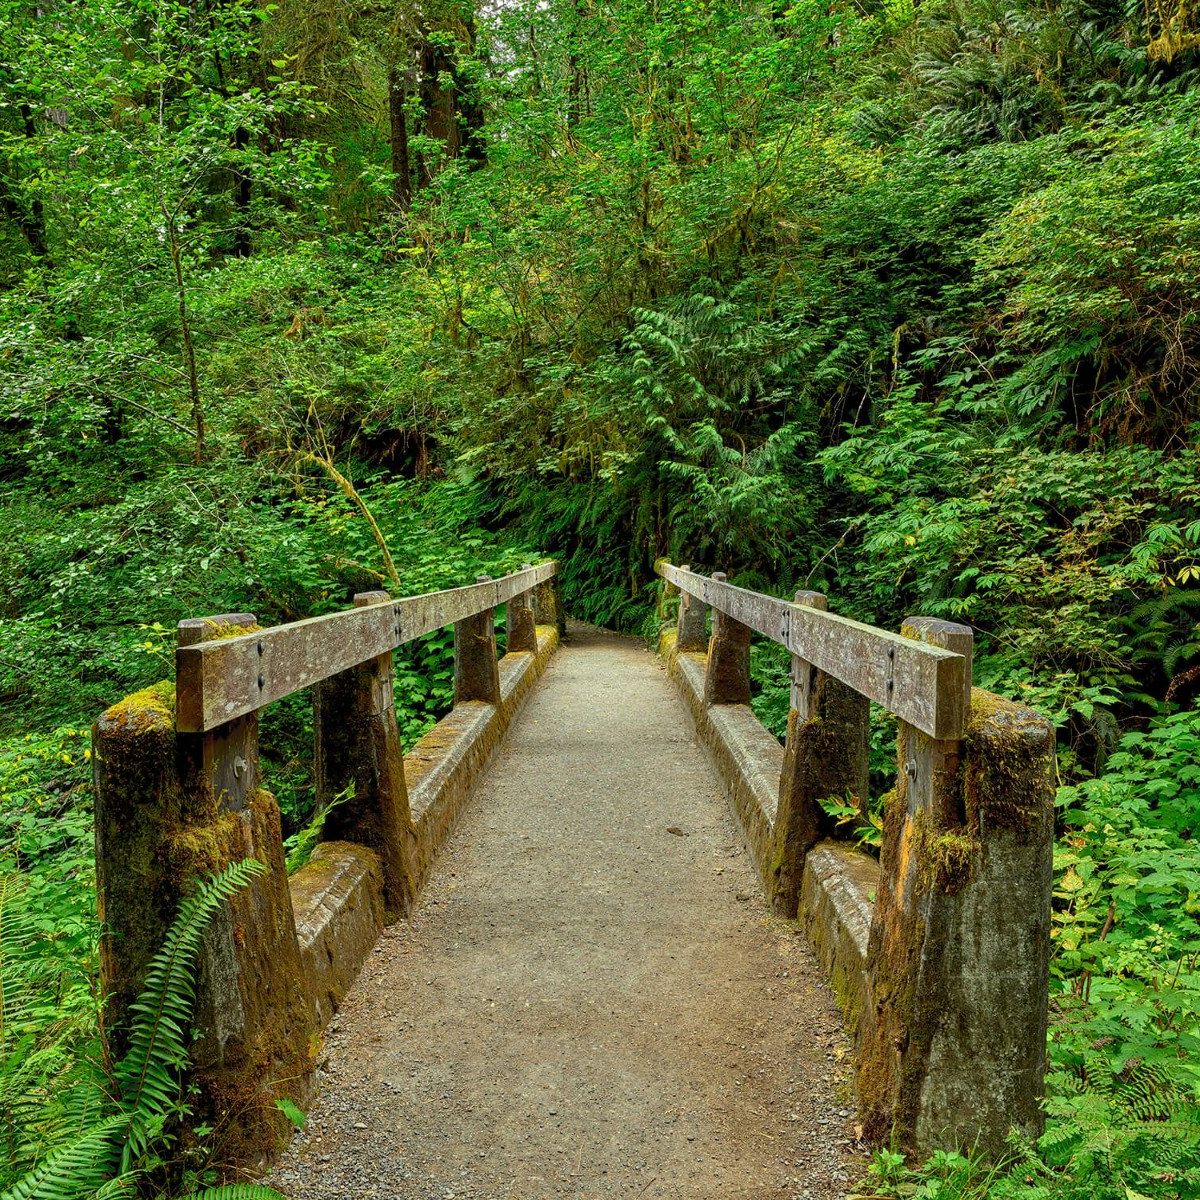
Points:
(566, 895)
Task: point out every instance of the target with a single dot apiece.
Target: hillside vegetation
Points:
(899, 302)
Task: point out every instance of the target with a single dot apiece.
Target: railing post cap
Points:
(938, 631)
(810, 599)
(365, 599)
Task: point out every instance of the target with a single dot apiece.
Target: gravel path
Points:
(591, 1000)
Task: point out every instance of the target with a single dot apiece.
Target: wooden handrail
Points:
(927, 686)
(219, 681)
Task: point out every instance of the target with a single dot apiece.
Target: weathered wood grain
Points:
(220, 680)
(423, 614)
(922, 684)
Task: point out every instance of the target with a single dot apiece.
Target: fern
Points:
(299, 847)
(104, 1162)
(74, 1170)
(46, 1011)
(158, 1040)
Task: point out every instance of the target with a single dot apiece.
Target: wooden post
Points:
(522, 629)
(952, 1043)
(826, 754)
(727, 675)
(693, 622)
(229, 754)
(358, 745)
(476, 672)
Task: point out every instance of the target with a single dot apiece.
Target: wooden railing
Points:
(945, 980)
(923, 683)
(179, 795)
(220, 680)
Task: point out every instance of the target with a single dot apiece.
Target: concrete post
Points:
(171, 807)
(693, 622)
(727, 676)
(826, 754)
(358, 744)
(476, 672)
(547, 604)
(952, 1042)
(522, 629)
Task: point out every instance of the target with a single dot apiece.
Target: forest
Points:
(896, 301)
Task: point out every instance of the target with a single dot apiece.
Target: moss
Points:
(945, 858)
(1006, 780)
(202, 848)
(151, 708)
(217, 632)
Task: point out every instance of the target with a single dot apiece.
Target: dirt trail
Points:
(591, 1000)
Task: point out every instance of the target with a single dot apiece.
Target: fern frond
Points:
(75, 1170)
(147, 1075)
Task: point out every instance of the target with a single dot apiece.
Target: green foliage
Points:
(109, 1131)
(299, 847)
(894, 301)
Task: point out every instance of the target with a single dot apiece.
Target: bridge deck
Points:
(587, 1003)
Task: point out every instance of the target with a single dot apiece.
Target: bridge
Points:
(595, 933)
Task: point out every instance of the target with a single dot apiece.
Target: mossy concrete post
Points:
(727, 675)
(826, 754)
(952, 1043)
(139, 813)
(693, 621)
(521, 626)
(547, 605)
(143, 816)
(476, 671)
(170, 808)
(358, 748)
(255, 1022)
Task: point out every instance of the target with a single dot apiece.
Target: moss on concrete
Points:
(218, 632)
(151, 708)
(945, 858)
(1005, 780)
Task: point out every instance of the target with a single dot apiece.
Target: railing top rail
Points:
(221, 680)
(925, 685)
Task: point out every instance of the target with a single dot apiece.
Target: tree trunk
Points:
(31, 219)
(577, 89)
(437, 102)
(401, 166)
(474, 150)
(241, 198)
(185, 327)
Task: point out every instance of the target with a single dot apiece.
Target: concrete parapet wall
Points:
(938, 952)
(337, 897)
(836, 903)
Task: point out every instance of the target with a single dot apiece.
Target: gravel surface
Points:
(591, 999)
